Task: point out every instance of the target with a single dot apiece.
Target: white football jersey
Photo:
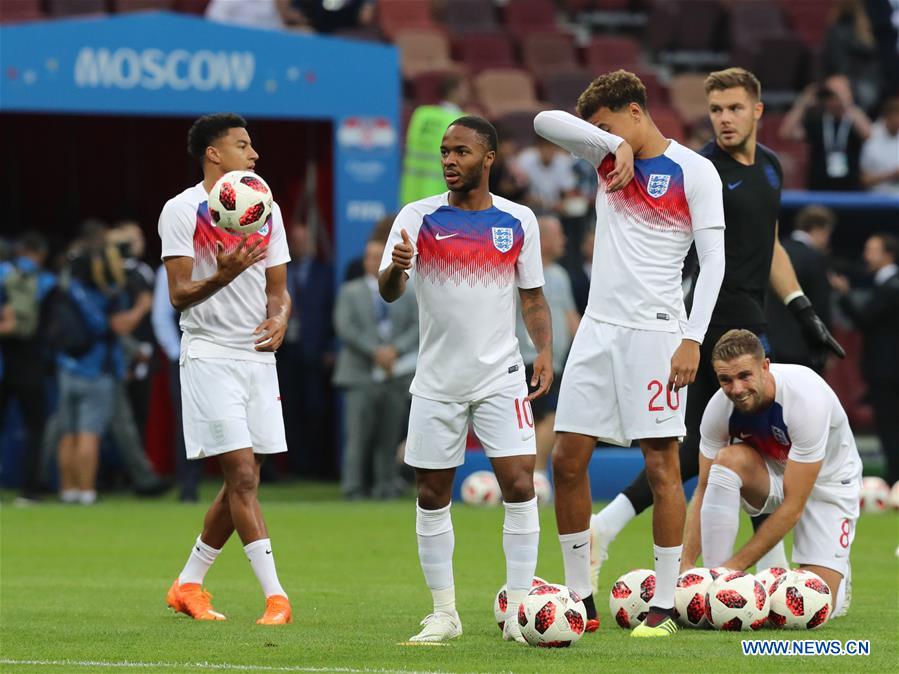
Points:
(467, 269)
(222, 325)
(643, 231)
(805, 423)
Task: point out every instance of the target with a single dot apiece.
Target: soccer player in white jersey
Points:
(635, 350)
(232, 293)
(469, 250)
(775, 441)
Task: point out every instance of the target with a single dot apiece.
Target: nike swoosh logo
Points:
(733, 186)
(268, 552)
(662, 421)
(743, 436)
(440, 237)
(575, 547)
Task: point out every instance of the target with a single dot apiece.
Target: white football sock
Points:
(201, 558)
(69, 495)
(87, 496)
(576, 560)
(263, 562)
(521, 536)
(614, 517)
(776, 556)
(435, 553)
(720, 516)
(667, 568)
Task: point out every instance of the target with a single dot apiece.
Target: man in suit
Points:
(878, 319)
(374, 367)
(306, 356)
(807, 248)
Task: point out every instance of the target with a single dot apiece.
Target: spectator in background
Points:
(307, 355)
(826, 117)
(329, 16)
(557, 290)
(550, 173)
(273, 14)
(807, 248)
(167, 331)
(374, 367)
(581, 271)
(851, 50)
(95, 281)
(24, 285)
(422, 170)
(507, 180)
(878, 319)
(880, 153)
(380, 232)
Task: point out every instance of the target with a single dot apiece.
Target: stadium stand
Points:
(502, 90)
(423, 50)
(480, 51)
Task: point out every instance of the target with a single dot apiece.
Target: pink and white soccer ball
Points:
(631, 595)
(875, 495)
(501, 601)
(894, 496)
(552, 616)
(240, 202)
(543, 489)
(689, 597)
(768, 576)
(736, 602)
(800, 600)
(481, 488)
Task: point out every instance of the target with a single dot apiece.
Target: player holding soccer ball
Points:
(634, 351)
(232, 293)
(775, 441)
(469, 252)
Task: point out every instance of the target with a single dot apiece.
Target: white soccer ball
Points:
(800, 600)
(552, 616)
(240, 202)
(689, 597)
(737, 601)
(894, 496)
(630, 597)
(501, 601)
(767, 577)
(543, 489)
(874, 495)
(481, 488)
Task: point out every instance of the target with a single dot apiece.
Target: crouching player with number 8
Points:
(775, 441)
(469, 252)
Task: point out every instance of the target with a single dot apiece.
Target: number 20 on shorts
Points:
(655, 387)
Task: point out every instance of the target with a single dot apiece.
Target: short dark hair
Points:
(613, 91)
(736, 343)
(208, 129)
(484, 129)
(731, 78)
(890, 244)
(815, 216)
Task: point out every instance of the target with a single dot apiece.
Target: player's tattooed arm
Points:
(270, 333)
(538, 321)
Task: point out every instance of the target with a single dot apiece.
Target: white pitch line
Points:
(126, 664)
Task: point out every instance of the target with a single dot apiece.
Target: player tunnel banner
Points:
(174, 65)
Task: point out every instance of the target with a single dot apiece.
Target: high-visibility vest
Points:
(422, 170)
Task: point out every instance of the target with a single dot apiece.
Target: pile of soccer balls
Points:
(730, 600)
(551, 615)
(876, 496)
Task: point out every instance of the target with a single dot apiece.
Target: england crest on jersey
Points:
(503, 239)
(657, 184)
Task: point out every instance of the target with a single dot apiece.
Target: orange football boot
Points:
(277, 611)
(192, 600)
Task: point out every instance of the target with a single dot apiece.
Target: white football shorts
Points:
(824, 533)
(230, 404)
(503, 422)
(615, 386)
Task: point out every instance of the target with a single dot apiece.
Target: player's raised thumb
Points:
(405, 236)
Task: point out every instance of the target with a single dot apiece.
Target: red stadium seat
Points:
(561, 89)
(75, 7)
(661, 25)
(503, 90)
(699, 25)
(780, 64)
(543, 53)
(751, 22)
(809, 19)
(518, 127)
(480, 51)
(668, 122)
(423, 51)
(191, 6)
(656, 92)
(611, 52)
(395, 16)
(123, 6)
(844, 377)
(687, 92)
(25, 10)
(464, 16)
(530, 16)
(427, 87)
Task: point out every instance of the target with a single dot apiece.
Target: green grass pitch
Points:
(82, 590)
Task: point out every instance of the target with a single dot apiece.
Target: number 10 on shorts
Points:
(524, 413)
